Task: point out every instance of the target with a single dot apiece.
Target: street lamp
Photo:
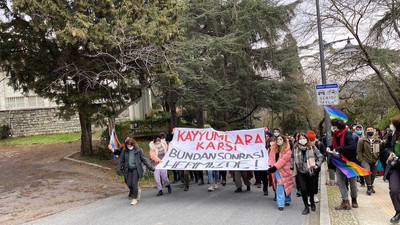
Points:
(349, 48)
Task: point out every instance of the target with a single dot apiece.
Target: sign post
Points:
(327, 94)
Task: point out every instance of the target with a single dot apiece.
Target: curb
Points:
(83, 162)
(324, 217)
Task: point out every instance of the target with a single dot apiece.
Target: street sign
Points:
(327, 94)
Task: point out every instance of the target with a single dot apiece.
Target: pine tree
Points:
(223, 72)
(91, 57)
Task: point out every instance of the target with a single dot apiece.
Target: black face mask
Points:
(370, 133)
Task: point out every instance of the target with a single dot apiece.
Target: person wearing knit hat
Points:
(311, 135)
(321, 147)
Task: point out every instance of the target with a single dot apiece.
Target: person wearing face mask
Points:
(305, 161)
(342, 143)
(276, 132)
(391, 154)
(321, 148)
(367, 154)
(130, 164)
(279, 162)
(158, 149)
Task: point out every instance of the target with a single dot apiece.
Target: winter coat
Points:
(364, 150)
(283, 166)
(349, 149)
(318, 157)
(140, 158)
(385, 151)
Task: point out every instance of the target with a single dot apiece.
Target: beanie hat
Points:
(311, 135)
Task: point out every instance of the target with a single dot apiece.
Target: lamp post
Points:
(323, 74)
(349, 48)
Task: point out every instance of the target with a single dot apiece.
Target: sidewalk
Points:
(375, 209)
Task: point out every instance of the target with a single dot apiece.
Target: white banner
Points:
(208, 149)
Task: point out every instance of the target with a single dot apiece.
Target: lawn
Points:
(40, 139)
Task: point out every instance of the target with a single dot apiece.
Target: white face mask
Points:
(303, 141)
(130, 147)
(279, 143)
(392, 127)
(276, 134)
(158, 146)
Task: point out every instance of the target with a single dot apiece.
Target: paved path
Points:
(376, 209)
(197, 206)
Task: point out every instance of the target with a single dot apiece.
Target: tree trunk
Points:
(111, 124)
(173, 98)
(86, 133)
(200, 117)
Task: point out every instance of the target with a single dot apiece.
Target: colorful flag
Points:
(349, 168)
(114, 142)
(335, 113)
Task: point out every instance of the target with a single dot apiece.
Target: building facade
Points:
(28, 114)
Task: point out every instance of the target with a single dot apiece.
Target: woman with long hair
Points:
(279, 162)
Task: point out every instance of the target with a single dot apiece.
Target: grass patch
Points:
(40, 139)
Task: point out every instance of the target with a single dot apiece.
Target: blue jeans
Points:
(281, 199)
(210, 176)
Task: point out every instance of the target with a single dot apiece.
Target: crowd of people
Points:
(294, 162)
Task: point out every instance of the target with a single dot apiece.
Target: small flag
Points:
(335, 113)
(349, 168)
(114, 143)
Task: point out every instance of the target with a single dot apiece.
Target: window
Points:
(19, 102)
(35, 101)
(15, 102)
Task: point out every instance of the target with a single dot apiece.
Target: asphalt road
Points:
(196, 206)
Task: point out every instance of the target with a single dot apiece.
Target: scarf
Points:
(305, 165)
(338, 134)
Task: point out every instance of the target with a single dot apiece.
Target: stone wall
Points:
(37, 121)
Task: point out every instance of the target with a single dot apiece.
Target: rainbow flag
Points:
(349, 168)
(335, 113)
(114, 142)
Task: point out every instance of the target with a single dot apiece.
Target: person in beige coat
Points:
(367, 154)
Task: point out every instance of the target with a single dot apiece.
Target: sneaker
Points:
(134, 202)
(248, 187)
(211, 188)
(138, 194)
(169, 189)
(298, 193)
(201, 182)
(316, 200)
(186, 189)
(259, 186)
(159, 193)
(216, 186)
(280, 208)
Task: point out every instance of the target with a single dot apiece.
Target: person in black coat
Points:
(343, 143)
(130, 164)
(391, 154)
